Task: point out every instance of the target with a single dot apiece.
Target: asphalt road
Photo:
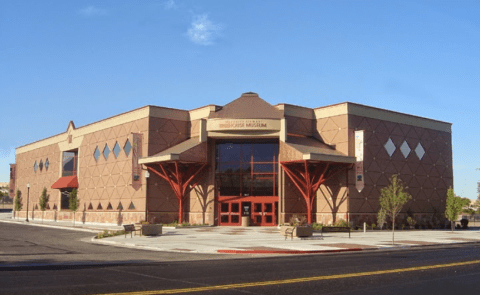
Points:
(343, 273)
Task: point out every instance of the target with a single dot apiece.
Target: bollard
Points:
(364, 227)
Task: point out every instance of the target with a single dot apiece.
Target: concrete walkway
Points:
(264, 240)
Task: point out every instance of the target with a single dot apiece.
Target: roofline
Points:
(381, 109)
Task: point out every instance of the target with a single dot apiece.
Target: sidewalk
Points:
(265, 240)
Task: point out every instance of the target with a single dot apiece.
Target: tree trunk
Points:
(452, 225)
(393, 231)
(74, 219)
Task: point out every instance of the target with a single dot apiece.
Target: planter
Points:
(303, 231)
(151, 229)
(298, 231)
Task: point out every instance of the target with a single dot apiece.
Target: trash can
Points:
(245, 220)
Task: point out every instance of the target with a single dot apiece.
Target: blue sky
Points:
(88, 60)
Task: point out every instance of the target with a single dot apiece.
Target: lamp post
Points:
(147, 175)
(28, 198)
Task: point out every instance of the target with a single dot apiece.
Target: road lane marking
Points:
(297, 280)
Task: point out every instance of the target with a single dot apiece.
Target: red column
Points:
(176, 179)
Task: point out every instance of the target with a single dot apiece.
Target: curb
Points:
(54, 226)
(225, 251)
(135, 246)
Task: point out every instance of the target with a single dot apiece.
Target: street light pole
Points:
(28, 198)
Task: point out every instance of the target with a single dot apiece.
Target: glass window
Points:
(229, 185)
(106, 151)
(116, 150)
(263, 186)
(235, 207)
(40, 165)
(96, 154)
(234, 165)
(65, 200)
(127, 148)
(229, 168)
(69, 165)
(263, 168)
(224, 207)
(264, 152)
(246, 185)
(229, 152)
(47, 164)
(35, 167)
(246, 152)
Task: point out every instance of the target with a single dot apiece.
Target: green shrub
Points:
(107, 233)
(341, 223)
(317, 226)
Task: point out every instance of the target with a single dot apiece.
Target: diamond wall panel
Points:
(38, 180)
(425, 180)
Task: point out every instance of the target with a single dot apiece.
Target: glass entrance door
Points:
(264, 213)
(246, 173)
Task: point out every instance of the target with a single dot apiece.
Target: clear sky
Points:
(89, 60)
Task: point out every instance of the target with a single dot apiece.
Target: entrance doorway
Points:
(246, 177)
(262, 211)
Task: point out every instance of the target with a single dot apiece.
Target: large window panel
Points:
(230, 152)
(264, 152)
(247, 169)
(263, 186)
(230, 185)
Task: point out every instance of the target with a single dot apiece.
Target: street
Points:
(27, 253)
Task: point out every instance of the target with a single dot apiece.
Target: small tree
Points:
(18, 202)
(381, 218)
(43, 201)
(392, 199)
(453, 207)
(74, 203)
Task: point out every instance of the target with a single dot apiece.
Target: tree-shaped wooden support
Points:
(179, 176)
(307, 176)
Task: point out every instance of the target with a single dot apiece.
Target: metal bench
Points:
(289, 232)
(131, 228)
(336, 229)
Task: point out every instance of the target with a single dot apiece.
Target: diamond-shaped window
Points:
(96, 154)
(40, 165)
(419, 151)
(116, 150)
(47, 164)
(405, 149)
(127, 148)
(35, 166)
(106, 151)
(390, 147)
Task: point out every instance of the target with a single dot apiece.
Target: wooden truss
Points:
(308, 175)
(179, 176)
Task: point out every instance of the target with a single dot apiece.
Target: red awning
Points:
(66, 182)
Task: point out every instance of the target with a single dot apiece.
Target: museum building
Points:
(217, 164)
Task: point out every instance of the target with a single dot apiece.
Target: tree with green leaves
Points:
(73, 203)
(18, 201)
(392, 199)
(43, 201)
(453, 207)
(381, 218)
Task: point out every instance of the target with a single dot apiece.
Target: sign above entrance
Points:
(243, 124)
